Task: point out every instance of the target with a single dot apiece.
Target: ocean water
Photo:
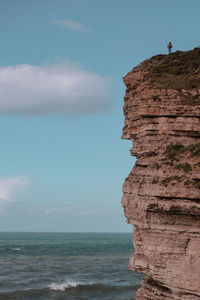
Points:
(66, 266)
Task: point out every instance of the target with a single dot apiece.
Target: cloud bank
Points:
(59, 88)
(72, 209)
(9, 186)
(69, 24)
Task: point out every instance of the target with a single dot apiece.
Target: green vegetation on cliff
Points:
(173, 151)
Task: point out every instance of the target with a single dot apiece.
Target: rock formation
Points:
(161, 195)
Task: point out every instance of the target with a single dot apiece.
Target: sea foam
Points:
(63, 286)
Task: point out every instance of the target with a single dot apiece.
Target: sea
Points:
(66, 266)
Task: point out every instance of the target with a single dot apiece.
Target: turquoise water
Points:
(66, 266)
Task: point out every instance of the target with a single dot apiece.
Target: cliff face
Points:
(161, 195)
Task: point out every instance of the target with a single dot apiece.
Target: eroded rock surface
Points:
(161, 195)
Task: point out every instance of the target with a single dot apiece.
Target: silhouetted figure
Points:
(169, 46)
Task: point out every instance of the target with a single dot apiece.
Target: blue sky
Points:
(61, 96)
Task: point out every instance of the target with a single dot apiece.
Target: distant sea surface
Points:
(66, 266)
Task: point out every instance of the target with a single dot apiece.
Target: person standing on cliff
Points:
(169, 46)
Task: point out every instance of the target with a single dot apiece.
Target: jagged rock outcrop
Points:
(161, 195)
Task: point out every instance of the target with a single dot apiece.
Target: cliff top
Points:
(178, 70)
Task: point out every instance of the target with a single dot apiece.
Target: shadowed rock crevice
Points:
(161, 195)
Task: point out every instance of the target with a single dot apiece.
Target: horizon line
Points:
(65, 231)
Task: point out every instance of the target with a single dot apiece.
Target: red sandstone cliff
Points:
(161, 195)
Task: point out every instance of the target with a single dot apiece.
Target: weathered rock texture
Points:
(161, 195)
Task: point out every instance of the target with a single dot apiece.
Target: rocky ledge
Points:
(161, 195)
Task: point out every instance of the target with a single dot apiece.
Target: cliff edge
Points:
(161, 195)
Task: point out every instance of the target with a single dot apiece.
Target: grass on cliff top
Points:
(178, 70)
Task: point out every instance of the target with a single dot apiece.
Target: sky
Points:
(62, 159)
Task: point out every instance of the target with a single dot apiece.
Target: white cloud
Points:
(8, 188)
(69, 24)
(72, 209)
(60, 209)
(59, 88)
(85, 212)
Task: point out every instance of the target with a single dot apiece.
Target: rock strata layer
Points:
(161, 195)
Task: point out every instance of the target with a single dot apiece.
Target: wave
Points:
(63, 286)
(89, 286)
(90, 290)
